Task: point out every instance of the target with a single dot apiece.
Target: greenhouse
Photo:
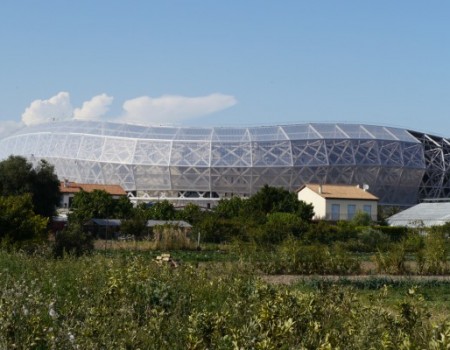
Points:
(206, 164)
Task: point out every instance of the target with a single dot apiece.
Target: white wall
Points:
(309, 196)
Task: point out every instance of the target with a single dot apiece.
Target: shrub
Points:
(171, 237)
(393, 261)
(372, 240)
(436, 251)
(73, 240)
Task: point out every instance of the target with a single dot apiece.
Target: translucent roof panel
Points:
(330, 131)
(230, 134)
(402, 135)
(301, 132)
(355, 131)
(379, 132)
(159, 133)
(267, 133)
(189, 134)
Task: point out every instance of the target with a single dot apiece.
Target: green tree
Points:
(272, 199)
(230, 207)
(74, 241)
(18, 222)
(163, 210)
(191, 213)
(123, 208)
(17, 177)
(97, 204)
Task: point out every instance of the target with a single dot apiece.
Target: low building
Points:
(68, 190)
(338, 202)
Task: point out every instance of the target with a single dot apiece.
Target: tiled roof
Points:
(340, 191)
(73, 187)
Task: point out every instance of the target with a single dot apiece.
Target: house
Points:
(338, 202)
(68, 190)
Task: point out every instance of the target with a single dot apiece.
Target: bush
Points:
(393, 261)
(292, 256)
(395, 233)
(74, 241)
(171, 237)
(372, 240)
(436, 251)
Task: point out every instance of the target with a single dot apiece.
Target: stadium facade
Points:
(204, 164)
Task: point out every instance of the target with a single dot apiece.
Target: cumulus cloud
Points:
(144, 110)
(94, 108)
(173, 109)
(41, 111)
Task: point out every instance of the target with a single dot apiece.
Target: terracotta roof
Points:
(73, 187)
(340, 191)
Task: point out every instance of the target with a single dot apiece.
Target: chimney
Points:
(320, 189)
(66, 183)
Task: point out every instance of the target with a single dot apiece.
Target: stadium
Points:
(205, 164)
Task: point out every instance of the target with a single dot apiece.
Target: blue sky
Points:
(234, 62)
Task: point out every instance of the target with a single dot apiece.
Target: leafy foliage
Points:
(98, 204)
(17, 177)
(74, 241)
(131, 302)
(18, 222)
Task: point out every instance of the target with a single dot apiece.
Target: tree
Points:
(229, 208)
(123, 208)
(190, 213)
(97, 204)
(272, 200)
(17, 177)
(73, 240)
(18, 222)
(163, 210)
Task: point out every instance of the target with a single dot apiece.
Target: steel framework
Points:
(187, 163)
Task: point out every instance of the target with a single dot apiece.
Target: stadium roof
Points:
(423, 214)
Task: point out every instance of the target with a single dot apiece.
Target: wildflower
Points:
(71, 337)
(25, 310)
(51, 310)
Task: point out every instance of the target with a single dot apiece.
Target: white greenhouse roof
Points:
(427, 214)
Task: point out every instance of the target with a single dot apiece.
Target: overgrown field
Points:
(127, 301)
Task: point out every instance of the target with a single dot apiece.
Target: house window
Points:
(335, 211)
(367, 209)
(351, 210)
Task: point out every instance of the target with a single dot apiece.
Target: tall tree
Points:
(273, 199)
(97, 204)
(18, 222)
(17, 177)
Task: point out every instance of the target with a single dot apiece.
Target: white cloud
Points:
(144, 110)
(172, 109)
(94, 108)
(7, 127)
(41, 111)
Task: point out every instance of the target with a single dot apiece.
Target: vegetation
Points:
(18, 177)
(129, 301)
(217, 297)
(18, 222)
